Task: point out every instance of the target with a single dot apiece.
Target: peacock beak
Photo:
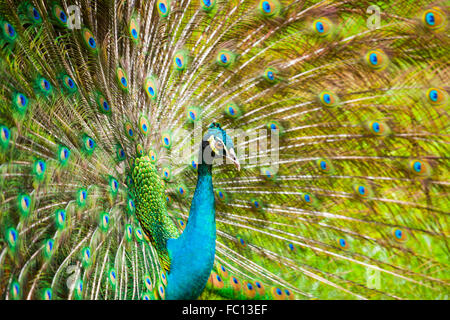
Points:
(231, 155)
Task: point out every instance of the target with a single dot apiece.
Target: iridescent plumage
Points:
(342, 109)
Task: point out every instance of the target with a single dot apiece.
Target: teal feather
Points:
(192, 254)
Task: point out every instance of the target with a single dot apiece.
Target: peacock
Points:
(224, 149)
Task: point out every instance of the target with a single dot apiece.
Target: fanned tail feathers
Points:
(351, 203)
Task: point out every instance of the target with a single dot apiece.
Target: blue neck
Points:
(192, 254)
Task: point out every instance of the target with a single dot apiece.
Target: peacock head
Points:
(217, 144)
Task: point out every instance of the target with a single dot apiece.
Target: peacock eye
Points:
(163, 7)
(437, 96)
(150, 87)
(48, 294)
(377, 59)
(122, 79)
(143, 125)
(232, 110)
(208, 5)
(10, 30)
(270, 74)
(434, 18)
(180, 60)
(134, 30)
(35, 14)
(322, 26)
(269, 8)
(225, 58)
(63, 17)
(59, 15)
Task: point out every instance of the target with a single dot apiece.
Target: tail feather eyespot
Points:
(217, 281)
(166, 173)
(60, 218)
(20, 102)
(131, 207)
(208, 5)
(133, 30)
(235, 283)
(180, 60)
(163, 7)
(434, 19)
(24, 204)
(15, 290)
(39, 169)
(88, 145)
(376, 59)
(437, 96)
(223, 271)
(378, 128)
(113, 186)
(163, 278)
(342, 243)
(69, 84)
(420, 168)
(271, 75)
(153, 156)
(89, 40)
(12, 237)
(128, 232)
(150, 87)
(5, 136)
(269, 8)
(59, 16)
(122, 79)
(328, 99)
(161, 290)
(363, 191)
(129, 131)
(192, 114)
(104, 221)
(259, 287)
(47, 294)
(275, 127)
(322, 26)
(144, 125)
(277, 293)
(139, 234)
(225, 58)
(86, 257)
(325, 165)
(30, 14)
(148, 282)
(232, 110)
(102, 104)
(399, 235)
(112, 277)
(81, 197)
(166, 140)
(43, 86)
(249, 289)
